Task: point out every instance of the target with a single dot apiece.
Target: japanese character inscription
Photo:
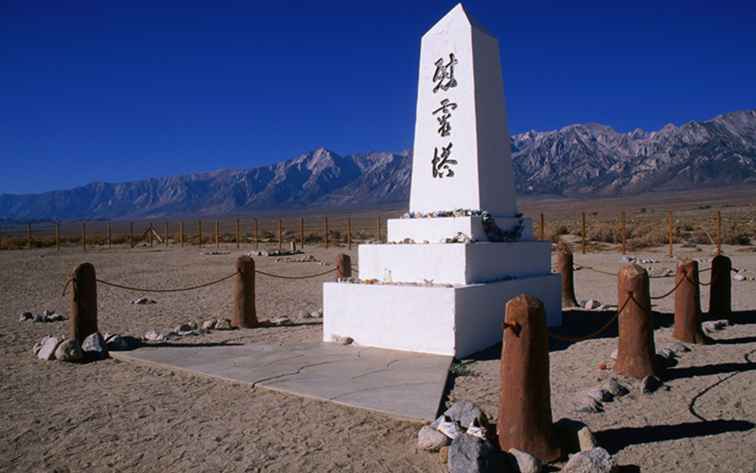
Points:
(442, 163)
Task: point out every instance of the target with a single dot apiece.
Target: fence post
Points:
(301, 233)
(280, 235)
(257, 240)
(180, 235)
(349, 232)
(217, 233)
(84, 236)
(165, 234)
(623, 233)
(245, 314)
(199, 231)
(542, 228)
(82, 320)
(583, 233)
(151, 235)
(566, 267)
(110, 235)
(131, 234)
(720, 294)
(525, 420)
(669, 233)
(57, 236)
(343, 266)
(636, 352)
(325, 223)
(238, 233)
(719, 232)
(688, 304)
(28, 235)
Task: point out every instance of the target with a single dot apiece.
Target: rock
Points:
(477, 430)
(47, 348)
(443, 455)
(143, 301)
(667, 357)
(614, 354)
(223, 324)
(465, 413)
(613, 386)
(39, 318)
(567, 432)
(94, 347)
(24, 316)
(182, 328)
(69, 350)
(591, 304)
(650, 384)
(627, 259)
(596, 460)
(209, 324)
(341, 340)
(739, 277)
(599, 394)
(678, 348)
(48, 312)
(586, 439)
(526, 463)
(194, 325)
(187, 333)
(449, 428)
(56, 318)
(303, 314)
(431, 439)
(280, 321)
(122, 343)
(153, 336)
(588, 405)
(468, 454)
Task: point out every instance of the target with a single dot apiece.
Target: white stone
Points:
(454, 263)
(479, 133)
(455, 321)
(47, 348)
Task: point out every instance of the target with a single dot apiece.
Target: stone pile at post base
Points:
(440, 282)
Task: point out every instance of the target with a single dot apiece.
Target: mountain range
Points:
(577, 160)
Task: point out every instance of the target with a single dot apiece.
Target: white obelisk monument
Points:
(440, 283)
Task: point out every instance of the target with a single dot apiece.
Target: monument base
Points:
(456, 321)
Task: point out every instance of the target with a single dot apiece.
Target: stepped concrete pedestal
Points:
(425, 291)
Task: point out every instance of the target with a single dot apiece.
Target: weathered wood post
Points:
(110, 235)
(566, 267)
(343, 266)
(325, 223)
(257, 239)
(217, 233)
(525, 420)
(245, 314)
(238, 233)
(623, 233)
(583, 233)
(280, 235)
(669, 233)
(720, 294)
(542, 228)
(82, 320)
(131, 234)
(84, 236)
(636, 350)
(151, 235)
(57, 236)
(28, 235)
(199, 231)
(349, 232)
(719, 232)
(181, 234)
(165, 234)
(688, 304)
(301, 233)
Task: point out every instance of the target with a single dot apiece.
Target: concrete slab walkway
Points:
(402, 384)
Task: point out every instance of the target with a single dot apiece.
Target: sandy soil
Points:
(113, 416)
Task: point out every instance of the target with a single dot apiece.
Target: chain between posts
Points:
(183, 289)
(603, 328)
(281, 276)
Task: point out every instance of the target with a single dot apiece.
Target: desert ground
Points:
(116, 416)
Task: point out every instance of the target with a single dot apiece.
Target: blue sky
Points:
(115, 91)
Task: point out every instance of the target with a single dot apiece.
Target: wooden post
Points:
(217, 233)
(84, 236)
(669, 233)
(257, 239)
(343, 266)
(280, 235)
(82, 317)
(584, 233)
(325, 223)
(131, 234)
(720, 294)
(110, 235)
(165, 234)
(199, 231)
(688, 304)
(525, 419)
(150, 235)
(28, 235)
(623, 233)
(238, 233)
(301, 233)
(542, 229)
(636, 352)
(349, 232)
(57, 236)
(245, 314)
(180, 236)
(719, 232)
(566, 267)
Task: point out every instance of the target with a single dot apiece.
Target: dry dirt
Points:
(114, 416)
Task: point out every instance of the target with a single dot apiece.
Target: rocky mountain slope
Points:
(589, 159)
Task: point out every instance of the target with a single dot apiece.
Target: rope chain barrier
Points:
(182, 289)
(281, 276)
(566, 338)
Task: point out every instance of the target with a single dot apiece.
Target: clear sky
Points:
(121, 90)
